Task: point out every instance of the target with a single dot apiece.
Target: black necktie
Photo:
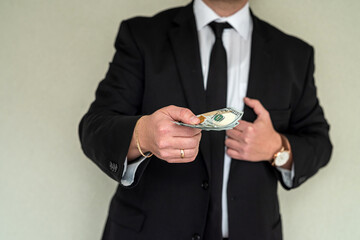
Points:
(216, 92)
(217, 76)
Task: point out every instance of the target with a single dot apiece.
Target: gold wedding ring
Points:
(182, 153)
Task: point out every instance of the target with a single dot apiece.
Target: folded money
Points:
(218, 120)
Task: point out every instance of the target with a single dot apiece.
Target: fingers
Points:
(236, 135)
(183, 131)
(232, 143)
(165, 138)
(178, 142)
(233, 148)
(168, 148)
(241, 132)
(174, 155)
(234, 154)
(168, 128)
(182, 114)
(256, 106)
(236, 149)
(243, 126)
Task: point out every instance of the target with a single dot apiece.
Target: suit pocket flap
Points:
(126, 215)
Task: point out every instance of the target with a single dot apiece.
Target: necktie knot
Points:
(218, 28)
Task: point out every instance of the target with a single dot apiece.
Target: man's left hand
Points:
(257, 141)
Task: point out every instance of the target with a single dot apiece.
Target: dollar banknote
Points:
(218, 120)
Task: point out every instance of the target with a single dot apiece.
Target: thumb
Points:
(256, 106)
(184, 115)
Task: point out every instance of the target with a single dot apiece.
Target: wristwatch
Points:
(281, 157)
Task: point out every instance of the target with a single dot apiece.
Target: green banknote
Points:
(218, 120)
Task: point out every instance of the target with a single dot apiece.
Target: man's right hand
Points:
(158, 134)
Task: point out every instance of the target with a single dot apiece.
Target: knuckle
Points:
(163, 143)
(184, 112)
(192, 154)
(190, 159)
(163, 130)
(228, 142)
(228, 152)
(170, 107)
(232, 153)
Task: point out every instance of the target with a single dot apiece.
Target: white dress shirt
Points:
(237, 42)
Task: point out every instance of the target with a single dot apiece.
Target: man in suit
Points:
(177, 182)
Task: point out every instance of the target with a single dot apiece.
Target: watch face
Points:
(282, 158)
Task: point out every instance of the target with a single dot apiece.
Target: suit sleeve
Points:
(308, 132)
(106, 129)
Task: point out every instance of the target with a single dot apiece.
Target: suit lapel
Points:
(260, 66)
(260, 71)
(185, 44)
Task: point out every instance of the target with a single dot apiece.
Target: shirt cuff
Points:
(128, 175)
(287, 175)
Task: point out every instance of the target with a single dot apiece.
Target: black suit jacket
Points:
(156, 64)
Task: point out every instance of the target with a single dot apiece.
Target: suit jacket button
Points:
(205, 185)
(113, 166)
(196, 237)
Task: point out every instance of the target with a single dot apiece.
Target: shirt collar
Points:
(240, 21)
